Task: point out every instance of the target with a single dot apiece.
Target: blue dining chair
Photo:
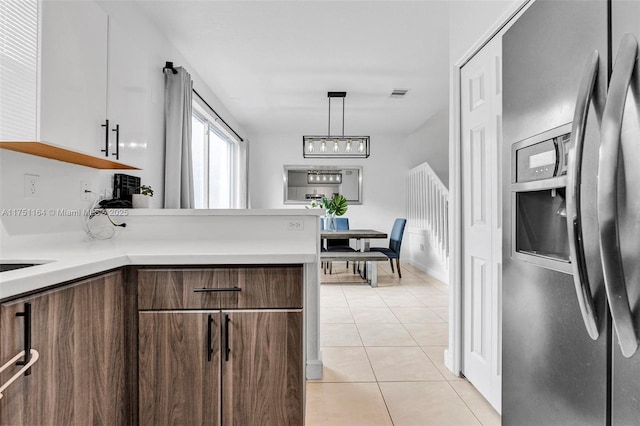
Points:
(342, 224)
(395, 242)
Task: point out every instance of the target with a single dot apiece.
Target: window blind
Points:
(18, 69)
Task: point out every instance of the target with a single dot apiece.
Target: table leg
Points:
(372, 273)
(365, 247)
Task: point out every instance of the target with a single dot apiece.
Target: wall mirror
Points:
(302, 184)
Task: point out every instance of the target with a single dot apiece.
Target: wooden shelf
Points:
(53, 152)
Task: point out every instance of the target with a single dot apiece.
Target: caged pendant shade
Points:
(327, 146)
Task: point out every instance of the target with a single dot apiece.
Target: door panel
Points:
(74, 75)
(179, 382)
(262, 380)
(480, 186)
(626, 372)
(553, 373)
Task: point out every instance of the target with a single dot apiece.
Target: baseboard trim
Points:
(435, 274)
(314, 370)
(448, 362)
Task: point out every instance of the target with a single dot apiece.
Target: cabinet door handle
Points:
(26, 314)
(216, 290)
(227, 349)
(106, 138)
(210, 338)
(117, 130)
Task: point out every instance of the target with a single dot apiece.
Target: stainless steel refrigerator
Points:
(571, 217)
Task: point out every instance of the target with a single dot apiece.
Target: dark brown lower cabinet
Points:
(179, 368)
(262, 374)
(220, 368)
(221, 346)
(78, 330)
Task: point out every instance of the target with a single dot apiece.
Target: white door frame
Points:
(453, 355)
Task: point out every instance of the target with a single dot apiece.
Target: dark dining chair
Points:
(395, 242)
(342, 224)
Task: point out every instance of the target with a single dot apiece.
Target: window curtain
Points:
(178, 172)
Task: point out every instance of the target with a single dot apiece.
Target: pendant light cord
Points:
(329, 129)
(343, 117)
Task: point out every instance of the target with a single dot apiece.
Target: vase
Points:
(140, 201)
(330, 222)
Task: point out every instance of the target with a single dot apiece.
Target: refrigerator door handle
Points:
(614, 278)
(573, 207)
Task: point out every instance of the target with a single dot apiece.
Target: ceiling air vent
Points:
(399, 93)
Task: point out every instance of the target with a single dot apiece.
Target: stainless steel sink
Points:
(11, 266)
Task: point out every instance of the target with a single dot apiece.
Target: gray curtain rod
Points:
(217, 115)
(169, 66)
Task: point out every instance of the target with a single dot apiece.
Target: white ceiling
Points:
(271, 63)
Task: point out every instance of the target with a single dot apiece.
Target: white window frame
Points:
(211, 124)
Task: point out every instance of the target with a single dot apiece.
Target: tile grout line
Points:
(465, 402)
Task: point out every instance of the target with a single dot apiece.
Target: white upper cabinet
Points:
(18, 70)
(93, 72)
(74, 75)
(128, 94)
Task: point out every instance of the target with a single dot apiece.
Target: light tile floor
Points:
(383, 353)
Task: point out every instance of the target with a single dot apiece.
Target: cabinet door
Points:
(128, 96)
(179, 367)
(263, 373)
(80, 375)
(74, 75)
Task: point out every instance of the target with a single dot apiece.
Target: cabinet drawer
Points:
(206, 288)
(220, 288)
(270, 287)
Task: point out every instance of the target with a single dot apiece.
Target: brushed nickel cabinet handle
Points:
(614, 277)
(573, 206)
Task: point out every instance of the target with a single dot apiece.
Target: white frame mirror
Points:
(300, 185)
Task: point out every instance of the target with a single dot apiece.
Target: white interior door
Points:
(481, 108)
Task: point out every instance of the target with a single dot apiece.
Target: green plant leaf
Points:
(339, 205)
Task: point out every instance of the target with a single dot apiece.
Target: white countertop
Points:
(73, 261)
(162, 237)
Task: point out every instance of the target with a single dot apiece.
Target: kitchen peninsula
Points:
(231, 272)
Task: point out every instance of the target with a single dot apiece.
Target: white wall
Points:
(60, 181)
(430, 143)
(383, 178)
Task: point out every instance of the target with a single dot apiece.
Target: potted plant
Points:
(336, 206)
(143, 199)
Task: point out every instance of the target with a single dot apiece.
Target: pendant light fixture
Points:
(335, 146)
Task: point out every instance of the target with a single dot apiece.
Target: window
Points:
(215, 156)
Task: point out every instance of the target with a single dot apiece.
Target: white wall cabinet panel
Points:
(74, 75)
(128, 91)
(93, 71)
